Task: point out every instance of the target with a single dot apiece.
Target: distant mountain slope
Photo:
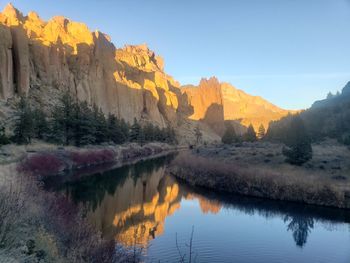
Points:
(231, 104)
(326, 118)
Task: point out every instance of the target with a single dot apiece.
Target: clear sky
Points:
(291, 52)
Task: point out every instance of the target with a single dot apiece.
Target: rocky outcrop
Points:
(214, 102)
(41, 59)
(207, 103)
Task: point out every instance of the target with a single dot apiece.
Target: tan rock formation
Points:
(207, 103)
(44, 59)
(215, 102)
(41, 59)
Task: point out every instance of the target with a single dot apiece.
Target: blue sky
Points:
(291, 52)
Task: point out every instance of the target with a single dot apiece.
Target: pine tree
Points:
(250, 135)
(63, 120)
(298, 150)
(125, 130)
(261, 131)
(116, 131)
(135, 131)
(84, 128)
(229, 136)
(41, 126)
(101, 127)
(24, 126)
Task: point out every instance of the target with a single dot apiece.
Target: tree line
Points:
(73, 122)
(230, 136)
(293, 134)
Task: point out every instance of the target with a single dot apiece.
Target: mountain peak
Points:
(11, 11)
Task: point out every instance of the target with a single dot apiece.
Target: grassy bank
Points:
(220, 175)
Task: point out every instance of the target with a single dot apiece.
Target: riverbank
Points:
(46, 159)
(243, 169)
(41, 226)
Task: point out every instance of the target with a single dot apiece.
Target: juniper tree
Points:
(229, 136)
(298, 150)
(250, 135)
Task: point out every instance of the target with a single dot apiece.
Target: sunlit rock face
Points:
(248, 109)
(215, 102)
(207, 103)
(41, 59)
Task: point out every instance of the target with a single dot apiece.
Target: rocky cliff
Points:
(42, 59)
(213, 102)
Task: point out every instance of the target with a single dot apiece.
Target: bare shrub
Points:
(43, 163)
(94, 157)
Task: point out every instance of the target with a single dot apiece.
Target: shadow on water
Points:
(134, 201)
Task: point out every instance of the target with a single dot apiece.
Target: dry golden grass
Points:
(258, 181)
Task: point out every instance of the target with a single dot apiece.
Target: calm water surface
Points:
(141, 204)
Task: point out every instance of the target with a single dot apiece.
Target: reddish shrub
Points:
(84, 159)
(42, 164)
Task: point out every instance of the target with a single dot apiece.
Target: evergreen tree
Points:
(149, 132)
(250, 135)
(101, 127)
(125, 130)
(135, 131)
(41, 126)
(3, 138)
(24, 126)
(141, 137)
(261, 131)
(198, 134)
(63, 118)
(229, 136)
(116, 132)
(298, 150)
(158, 134)
(84, 128)
(330, 95)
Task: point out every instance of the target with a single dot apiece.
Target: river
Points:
(143, 207)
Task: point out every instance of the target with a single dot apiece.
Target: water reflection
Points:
(131, 204)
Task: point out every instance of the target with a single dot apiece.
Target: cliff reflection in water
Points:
(130, 204)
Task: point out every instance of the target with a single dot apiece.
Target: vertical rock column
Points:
(6, 63)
